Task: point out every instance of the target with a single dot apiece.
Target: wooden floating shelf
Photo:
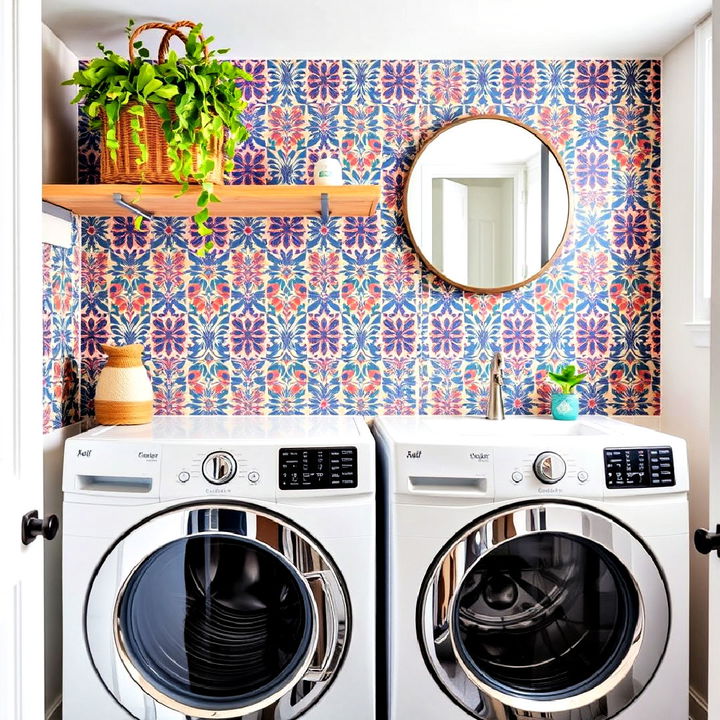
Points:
(235, 200)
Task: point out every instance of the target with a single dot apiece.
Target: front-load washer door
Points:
(216, 611)
(545, 610)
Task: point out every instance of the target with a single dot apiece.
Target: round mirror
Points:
(487, 203)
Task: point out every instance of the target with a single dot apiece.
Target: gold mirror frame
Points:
(570, 212)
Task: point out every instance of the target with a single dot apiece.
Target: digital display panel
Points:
(318, 468)
(639, 467)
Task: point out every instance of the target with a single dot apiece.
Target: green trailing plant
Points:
(567, 378)
(197, 98)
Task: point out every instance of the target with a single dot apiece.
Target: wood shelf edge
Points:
(235, 200)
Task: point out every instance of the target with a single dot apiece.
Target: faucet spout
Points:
(496, 407)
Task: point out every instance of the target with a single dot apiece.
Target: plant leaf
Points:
(145, 75)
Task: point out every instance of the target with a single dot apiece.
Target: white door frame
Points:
(714, 484)
(21, 586)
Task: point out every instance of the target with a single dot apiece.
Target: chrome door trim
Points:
(437, 598)
(280, 537)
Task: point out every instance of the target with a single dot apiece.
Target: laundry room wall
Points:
(288, 315)
(686, 401)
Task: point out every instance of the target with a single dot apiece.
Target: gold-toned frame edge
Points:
(568, 222)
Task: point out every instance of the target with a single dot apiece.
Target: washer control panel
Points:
(318, 468)
(642, 467)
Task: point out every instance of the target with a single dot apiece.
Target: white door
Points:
(21, 582)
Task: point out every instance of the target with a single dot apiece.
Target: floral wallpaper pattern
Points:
(61, 336)
(288, 315)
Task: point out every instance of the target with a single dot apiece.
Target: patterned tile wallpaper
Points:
(288, 315)
(61, 336)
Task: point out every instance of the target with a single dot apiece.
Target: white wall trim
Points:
(700, 333)
(56, 228)
(698, 706)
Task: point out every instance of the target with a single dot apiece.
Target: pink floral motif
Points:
(556, 124)
(286, 126)
(446, 80)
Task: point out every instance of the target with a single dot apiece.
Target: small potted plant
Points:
(174, 120)
(565, 404)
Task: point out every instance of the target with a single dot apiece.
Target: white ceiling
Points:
(397, 28)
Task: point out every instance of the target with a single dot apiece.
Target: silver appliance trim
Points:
(438, 597)
(305, 559)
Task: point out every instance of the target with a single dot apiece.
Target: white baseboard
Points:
(54, 712)
(698, 706)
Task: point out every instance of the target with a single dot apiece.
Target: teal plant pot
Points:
(565, 407)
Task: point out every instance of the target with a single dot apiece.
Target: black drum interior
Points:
(215, 622)
(545, 615)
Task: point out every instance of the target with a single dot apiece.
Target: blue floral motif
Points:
(592, 126)
(631, 82)
(360, 81)
(482, 79)
(323, 125)
(286, 81)
(555, 81)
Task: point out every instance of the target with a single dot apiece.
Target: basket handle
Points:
(170, 31)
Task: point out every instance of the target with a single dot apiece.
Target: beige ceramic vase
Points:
(123, 395)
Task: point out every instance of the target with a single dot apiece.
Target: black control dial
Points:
(549, 468)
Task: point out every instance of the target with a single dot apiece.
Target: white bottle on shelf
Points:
(328, 171)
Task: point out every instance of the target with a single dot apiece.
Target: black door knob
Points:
(706, 542)
(32, 526)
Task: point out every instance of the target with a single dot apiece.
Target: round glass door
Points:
(215, 622)
(217, 611)
(545, 615)
(546, 610)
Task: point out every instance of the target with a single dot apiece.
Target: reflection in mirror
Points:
(487, 203)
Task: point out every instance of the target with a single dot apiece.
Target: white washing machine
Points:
(536, 569)
(220, 567)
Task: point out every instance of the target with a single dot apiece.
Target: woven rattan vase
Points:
(123, 395)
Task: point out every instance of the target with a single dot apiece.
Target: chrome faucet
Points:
(496, 408)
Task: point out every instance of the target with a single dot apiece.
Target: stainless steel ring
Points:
(438, 598)
(277, 536)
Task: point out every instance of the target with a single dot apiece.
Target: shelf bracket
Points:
(57, 211)
(118, 200)
(324, 208)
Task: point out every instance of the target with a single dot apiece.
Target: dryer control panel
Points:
(642, 467)
(318, 468)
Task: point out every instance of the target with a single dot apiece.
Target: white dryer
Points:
(536, 569)
(220, 567)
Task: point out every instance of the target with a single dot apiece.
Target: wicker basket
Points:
(124, 169)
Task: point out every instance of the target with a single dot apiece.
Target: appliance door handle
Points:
(706, 542)
(331, 627)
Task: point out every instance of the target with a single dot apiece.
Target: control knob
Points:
(219, 467)
(549, 468)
